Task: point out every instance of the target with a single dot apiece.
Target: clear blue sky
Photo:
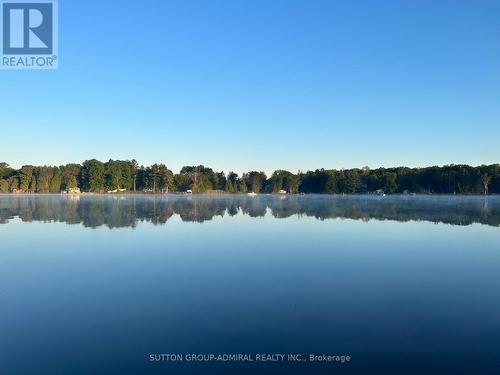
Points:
(266, 84)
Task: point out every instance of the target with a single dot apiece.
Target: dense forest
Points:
(128, 176)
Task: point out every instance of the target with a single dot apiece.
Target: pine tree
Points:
(229, 187)
(242, 186)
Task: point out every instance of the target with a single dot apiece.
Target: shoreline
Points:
(255, 195)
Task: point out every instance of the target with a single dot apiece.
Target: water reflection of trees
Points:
(127, 211)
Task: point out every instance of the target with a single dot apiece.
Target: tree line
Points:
(128, 176)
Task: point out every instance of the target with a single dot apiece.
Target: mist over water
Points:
(128, 210)
(401, 284)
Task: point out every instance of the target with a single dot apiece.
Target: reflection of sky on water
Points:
(398, 296)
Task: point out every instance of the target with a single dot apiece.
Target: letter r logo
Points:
(27, 28)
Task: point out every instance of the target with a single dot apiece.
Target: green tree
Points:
(5, 170)
(113, 174)
(26, 178)
(127, 178)
(285, 180)
(166, 178)
(135, 170)
(70, 175)
(292, 183)
(93, 175)
(43, 177)
(352, 180)
(13, 182)
(4, 186)
(390, 185)
(486, 180)
(256, 181)
(331, 184)
(242, 186)
(221, 181)
(277, 181)
(231, 183)
(56, 181)
(229, 187)
(154, 176)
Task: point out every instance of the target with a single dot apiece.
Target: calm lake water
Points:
(401, 284)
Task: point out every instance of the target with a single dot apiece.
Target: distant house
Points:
(282, 192)
(74, 190)
(17, 191)
(189, 191)
(116, 191)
